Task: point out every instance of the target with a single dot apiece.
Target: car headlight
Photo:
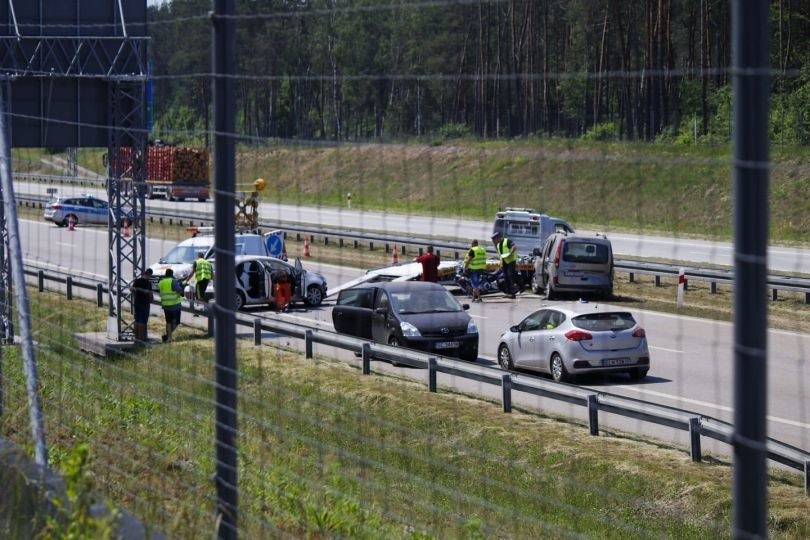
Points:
(409, 330)
(182, 274)
(471, 327)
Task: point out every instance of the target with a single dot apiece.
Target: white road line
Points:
(676, 351)
(724, 408)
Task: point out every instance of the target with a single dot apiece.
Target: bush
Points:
(606, 131)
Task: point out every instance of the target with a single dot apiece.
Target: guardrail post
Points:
(506, 391)
(326, 240)
(630, 277)
(308, 343)
(713, 287)
(366, 354)
(387, 248)
(694, 439)
(774, 294)
(211, 322)
(593, 414)
(257, 331)
(432, 374)
(807, 477)
(340, 242)
(356, 244)
(100, 295)
(371, 246)
(41, 280)
(657, 280)
(69, 286)
(807, 298)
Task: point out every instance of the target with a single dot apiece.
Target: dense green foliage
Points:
(363, 69)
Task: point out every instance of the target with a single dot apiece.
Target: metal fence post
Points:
(41, 280)
(432, 364)
(69, 285)
(210, 323)
(593, 414)
(694, 439)
(308, 343)
(100, 294)
(257, 331)
(506, 392)
(366, 354)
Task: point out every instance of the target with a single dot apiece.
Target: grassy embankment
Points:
(326, 452)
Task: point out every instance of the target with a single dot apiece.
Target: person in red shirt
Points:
(430, 265)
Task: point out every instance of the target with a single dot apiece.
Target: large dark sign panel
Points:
(61, 57)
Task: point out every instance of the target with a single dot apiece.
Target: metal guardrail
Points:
(697, 425)
(714, 277)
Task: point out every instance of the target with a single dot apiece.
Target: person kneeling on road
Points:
(171, 297)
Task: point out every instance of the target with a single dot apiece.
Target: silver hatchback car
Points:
(574, 339)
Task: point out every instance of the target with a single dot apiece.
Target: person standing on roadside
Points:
(507, 253)
(474, 264)
(430, 265)
(171, 297)
(142, 297)
(203, 272)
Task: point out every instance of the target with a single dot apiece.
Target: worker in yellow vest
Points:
(171, 291)
(475, 263)
(202, 271)
(507, 253)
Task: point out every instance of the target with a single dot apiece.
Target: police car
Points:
(84, 209)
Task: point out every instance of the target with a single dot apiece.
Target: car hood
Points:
(433, 322)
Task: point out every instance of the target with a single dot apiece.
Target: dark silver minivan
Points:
(574, 263)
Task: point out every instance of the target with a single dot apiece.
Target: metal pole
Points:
(224, 60)
(750, 68)
(20, 292)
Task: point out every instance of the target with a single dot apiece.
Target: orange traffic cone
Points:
(394, 256)
(284, 251)
(71, 224)
(125, 233)
(306, 246)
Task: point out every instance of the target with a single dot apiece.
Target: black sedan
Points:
(413, 314)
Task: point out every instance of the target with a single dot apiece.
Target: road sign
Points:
(275, 243)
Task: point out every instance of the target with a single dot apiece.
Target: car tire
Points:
(314, 296)
(536, 288)
(239, 300)
(557, 368)
(505, 358)
(393, 341)
(638, 374)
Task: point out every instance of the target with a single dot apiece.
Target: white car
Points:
(255, 276)
(575, 339)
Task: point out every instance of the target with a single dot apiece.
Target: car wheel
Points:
(239, 300)
(638, 374)
(505, 358)
(558, 371)
(314, 296)
(536, 288)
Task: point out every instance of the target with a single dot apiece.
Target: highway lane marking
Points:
(723, 408)
(67, 244)
(676, 351)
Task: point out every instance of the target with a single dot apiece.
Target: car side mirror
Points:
(381, 311)
(515, 329)
(465, 306)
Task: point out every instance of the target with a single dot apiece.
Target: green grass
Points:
(326, 452)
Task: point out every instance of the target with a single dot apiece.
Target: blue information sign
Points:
(275, 243)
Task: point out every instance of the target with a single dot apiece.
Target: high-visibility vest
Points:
(479, 260)
(503, 249)
(202, 269)
(168, 296)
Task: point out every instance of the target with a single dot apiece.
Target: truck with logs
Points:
(173, 172)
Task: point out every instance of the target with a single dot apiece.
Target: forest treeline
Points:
(365, 69)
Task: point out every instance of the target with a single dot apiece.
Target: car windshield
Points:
(182, 254)
(605, 322)
(424, 302)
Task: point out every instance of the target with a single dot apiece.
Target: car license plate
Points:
(574, 274)
(616, 361)
(447, 345)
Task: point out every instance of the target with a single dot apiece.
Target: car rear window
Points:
(602, 322)
(356, 297)
(585, 252)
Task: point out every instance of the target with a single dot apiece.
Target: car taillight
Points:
(557, 253)
(639, 332)
(56, 206)
(577, 335)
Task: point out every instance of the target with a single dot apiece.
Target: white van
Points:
(181, 257)
(528, 229)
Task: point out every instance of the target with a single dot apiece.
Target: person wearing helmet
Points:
(507, 253)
